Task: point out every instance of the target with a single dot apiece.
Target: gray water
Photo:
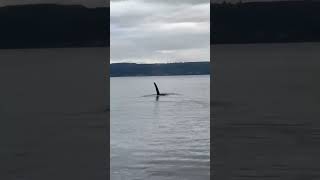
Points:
(266, 106)
(160, 139)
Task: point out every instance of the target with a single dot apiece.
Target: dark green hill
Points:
(132, 69)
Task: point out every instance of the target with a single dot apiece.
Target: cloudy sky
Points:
(153, 31)
(88, 3)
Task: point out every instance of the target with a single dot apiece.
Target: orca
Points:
(158, 92)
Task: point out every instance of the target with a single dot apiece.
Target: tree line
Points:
(133, 69)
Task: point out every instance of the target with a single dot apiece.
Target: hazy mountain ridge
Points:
(265, 22)
(132, 69)
(50, 25)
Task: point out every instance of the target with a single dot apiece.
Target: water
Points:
(160, 139)
(266, 114)
(53, 79)
(51, 113)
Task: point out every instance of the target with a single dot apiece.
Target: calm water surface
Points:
(160, 139)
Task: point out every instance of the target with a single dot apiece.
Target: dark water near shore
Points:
(166, 138)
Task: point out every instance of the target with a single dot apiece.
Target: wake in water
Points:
(164, 94)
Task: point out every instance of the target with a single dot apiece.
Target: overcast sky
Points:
(153, 31)
(88, 3)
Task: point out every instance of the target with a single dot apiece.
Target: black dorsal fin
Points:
(155, 85)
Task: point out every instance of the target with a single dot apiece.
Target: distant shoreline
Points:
(161, 69)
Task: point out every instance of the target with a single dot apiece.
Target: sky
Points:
(87, 3)
(159, 31)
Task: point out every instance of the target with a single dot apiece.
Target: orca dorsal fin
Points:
(155, 85)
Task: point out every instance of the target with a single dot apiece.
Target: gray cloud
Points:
(160, 31)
